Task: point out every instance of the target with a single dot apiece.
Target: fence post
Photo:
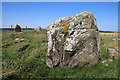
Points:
(26, 28)
(11, 27)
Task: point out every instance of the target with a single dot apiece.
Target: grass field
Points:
(27, 59)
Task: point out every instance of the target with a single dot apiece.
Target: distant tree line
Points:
(106, 31)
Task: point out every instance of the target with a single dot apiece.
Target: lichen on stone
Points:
(73, 40)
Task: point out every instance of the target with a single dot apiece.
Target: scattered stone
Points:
(104, 62)
(115, 39)
(110, 60)
(118, 39)
(21, 40)
(73, 41)
(17, 28)
(17, 39)
(113, 52)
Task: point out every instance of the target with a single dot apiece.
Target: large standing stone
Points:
(17, 28)
(73, 41)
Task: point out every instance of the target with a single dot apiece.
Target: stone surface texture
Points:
(73, 41)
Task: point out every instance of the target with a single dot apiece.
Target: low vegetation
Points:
(27, 59)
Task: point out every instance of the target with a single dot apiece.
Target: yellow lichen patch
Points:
(86, 32)
(68, 24)
(69, 17)
(62, 21)
(90, 29)
(60, 27)
(90, 22)
(78, 21)
(77, 30)
(68, 21)
(65, 28)
(81, 31)
(90, 13)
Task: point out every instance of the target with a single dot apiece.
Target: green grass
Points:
(31, 61)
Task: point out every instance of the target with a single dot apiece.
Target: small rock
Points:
(23, 40)
(110, 60)
(115, 39)
(104, 61)
(113, 52)
(106, 64)
(17, 39)
(118, 39)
